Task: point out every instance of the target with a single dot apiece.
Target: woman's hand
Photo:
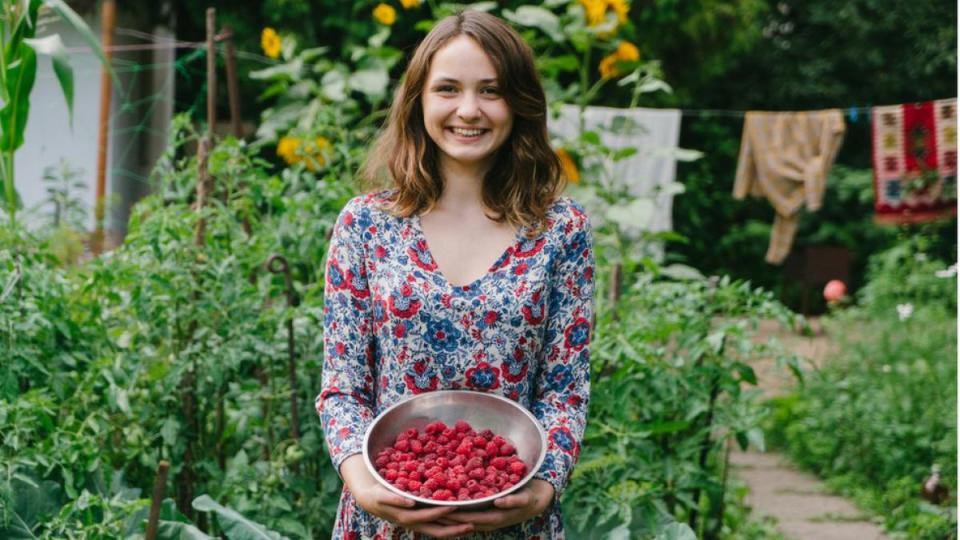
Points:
(383, 503)
(517, 507)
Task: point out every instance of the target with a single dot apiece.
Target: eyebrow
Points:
(449, 79)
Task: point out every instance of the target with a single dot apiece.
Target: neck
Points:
(462, 185)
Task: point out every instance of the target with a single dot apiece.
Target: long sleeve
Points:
(347, 399)
(562, 385)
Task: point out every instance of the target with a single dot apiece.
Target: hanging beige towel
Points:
(785, 157)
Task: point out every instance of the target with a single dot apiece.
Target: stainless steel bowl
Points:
(504, 417)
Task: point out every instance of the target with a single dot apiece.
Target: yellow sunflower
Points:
(287, 149)
(594, 11)
(385, 14)
(271, 43)
(409, 4)
(626, 52)
(570, 171)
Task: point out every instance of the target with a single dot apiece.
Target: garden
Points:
(164, 388)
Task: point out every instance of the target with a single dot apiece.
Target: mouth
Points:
(467, 133)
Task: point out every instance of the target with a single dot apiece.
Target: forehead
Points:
(462, 59)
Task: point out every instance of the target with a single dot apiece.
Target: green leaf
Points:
(76, 21)
(52, 46)
(174, 530)
(371, 81)
(234, 525)
(756, 438)
(13, 116)
(676, 531)
(536, 17)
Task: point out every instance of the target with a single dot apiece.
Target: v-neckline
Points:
(491, 269)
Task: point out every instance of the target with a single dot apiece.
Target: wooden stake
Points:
(203, 188)
(211, 71)
(108, 16)
(159, 488)
(233, 89)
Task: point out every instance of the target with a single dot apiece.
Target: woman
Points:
(470, 272)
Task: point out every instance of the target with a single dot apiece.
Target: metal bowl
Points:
(503, 416)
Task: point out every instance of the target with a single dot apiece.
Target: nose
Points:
(469, 107)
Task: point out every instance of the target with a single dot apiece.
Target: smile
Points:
(468, 132)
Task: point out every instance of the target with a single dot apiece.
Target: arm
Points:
(563, 379)
(346, 401)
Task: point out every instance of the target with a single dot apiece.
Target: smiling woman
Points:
(468, 272)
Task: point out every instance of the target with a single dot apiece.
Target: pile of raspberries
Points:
(450, 463)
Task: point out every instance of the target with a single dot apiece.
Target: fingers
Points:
(439, 530)
(395, 500)
(520, 499)
(481, 519)
(413, 518)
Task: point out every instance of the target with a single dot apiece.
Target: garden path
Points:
(801, 505)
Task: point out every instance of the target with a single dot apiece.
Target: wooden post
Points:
(203, 188)
(233, 89)
(211, 71)
(108, 16)
(159, 487)
(616, 286)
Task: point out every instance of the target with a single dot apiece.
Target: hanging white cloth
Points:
(649, 173)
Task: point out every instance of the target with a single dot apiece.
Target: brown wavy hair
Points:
(525, 177)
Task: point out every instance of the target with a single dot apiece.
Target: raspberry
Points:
(403, 445)
(411, 433)
(518, 468)
(462, 426)
(473, 463)
(410, 466)
(514, 478)
(507, 449)
(476, 474)
(453, 485)
(382, 461)
(390, 475)
(486, 434)
(479, 442)
(500, 441)
(443, 462)
(492, 448)
(499, 463)
(435, 427)
(431, 484)
(413, 485)
(417, 446)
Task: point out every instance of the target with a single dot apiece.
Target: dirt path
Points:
(801, 505)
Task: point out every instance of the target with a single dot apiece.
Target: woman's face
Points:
(464, 111)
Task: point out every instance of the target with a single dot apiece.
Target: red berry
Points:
(417, 446)
(414, 485)
(476, 474)
(514, 478)
(507, 449)
(390, 475)
(518, 467)
(453, 484)
(486, 434)
(403, 445)
(499, 463)
(461, 426)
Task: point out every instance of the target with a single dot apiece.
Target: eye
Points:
(445, 89)
(490, 90)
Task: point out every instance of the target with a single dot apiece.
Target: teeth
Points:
(467, 132)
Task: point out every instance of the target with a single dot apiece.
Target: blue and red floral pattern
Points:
(394, 327)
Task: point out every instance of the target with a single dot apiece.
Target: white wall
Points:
(48, 136)
(141, 108)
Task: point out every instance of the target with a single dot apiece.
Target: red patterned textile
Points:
(915, 161)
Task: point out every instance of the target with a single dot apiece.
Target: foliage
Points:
(18, 70)
(891, 387)
(670, 375)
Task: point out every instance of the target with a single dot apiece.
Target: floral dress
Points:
(394, 327)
